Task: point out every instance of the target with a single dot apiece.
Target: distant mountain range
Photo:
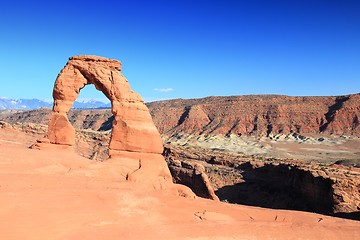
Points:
(252, 115)
(30, 104)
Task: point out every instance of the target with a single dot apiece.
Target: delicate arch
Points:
(133, 129)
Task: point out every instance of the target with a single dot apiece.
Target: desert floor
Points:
(54, 193)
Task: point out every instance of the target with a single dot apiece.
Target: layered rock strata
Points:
(255, 115)
(258, 115)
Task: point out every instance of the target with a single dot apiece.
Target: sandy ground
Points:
(55, 194)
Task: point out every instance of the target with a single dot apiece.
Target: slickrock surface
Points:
(57, 194)
(315, 186)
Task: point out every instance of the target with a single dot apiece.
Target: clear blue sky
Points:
(186, 48)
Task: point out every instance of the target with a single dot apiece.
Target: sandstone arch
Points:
(133, 129)
(135, 143)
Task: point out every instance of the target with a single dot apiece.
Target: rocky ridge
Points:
(258, 115)
(253, 115)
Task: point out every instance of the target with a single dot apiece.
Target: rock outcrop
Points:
(282, 184)
(258, 115)
(191, 174)
(133, 129)
(134, 141)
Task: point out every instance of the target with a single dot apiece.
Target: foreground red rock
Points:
(56, 194)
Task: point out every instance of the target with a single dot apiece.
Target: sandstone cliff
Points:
(267, 182)
(259, 115)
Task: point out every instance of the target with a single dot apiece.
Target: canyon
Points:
(283, 152)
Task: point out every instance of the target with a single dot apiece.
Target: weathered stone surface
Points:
(272, 183)
(133, 128)
(194, 176)
(60, 129)
(190, 174)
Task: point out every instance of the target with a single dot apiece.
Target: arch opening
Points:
(87, 116)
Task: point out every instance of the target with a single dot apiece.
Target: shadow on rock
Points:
(280, 187)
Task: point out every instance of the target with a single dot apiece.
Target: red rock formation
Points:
(272, 183)
(258, 115)
(191, 174)
(133, 128)
(247, 115)
(343, 116)
(135, 141)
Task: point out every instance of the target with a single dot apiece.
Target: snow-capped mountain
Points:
(90, 104)
(30, 104)
(26, 104)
